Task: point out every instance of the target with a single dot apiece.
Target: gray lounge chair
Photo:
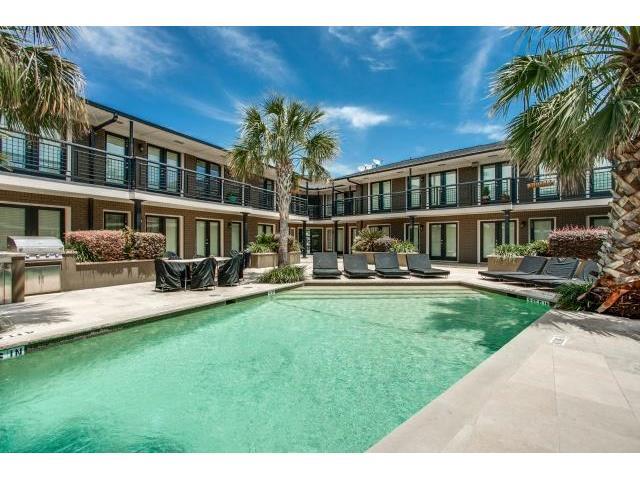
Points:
(325, 265)
(556, 268)
(355, 266)
(589, 272)
(387, 266)
(419, 264)
(529, 265)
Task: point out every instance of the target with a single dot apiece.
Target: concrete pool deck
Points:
(568, 382)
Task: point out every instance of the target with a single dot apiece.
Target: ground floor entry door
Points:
(443, 241)
(207, 238)
(492, 234)
(315, 234)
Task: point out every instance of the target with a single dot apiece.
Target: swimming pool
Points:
(310, 369)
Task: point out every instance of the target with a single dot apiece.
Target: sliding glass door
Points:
(443, 241)
(207, 238)
(169, 227)
(443, 189)
(492, 234)
(381, 196)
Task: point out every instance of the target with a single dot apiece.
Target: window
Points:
(600, 178)
(546, 177)
(207, 238)
(329, 239)
(207, 183)
(381, 196)
(31, 221)
(13, 147)
(496, 182)
(443, 189)
(115, 166)
(492, 234)
(266, 200)
(115, 220)
(386, 229)
(540, 228)
(264, 228)
(339, 203)
(443, 241)
(169, 227)
(154, 158)
(412, 234)
(599, 221)
(236, 236)
(414, 185)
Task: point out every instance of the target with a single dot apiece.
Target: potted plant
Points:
(403, 248)
(486, 194)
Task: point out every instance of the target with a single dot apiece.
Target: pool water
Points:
(311, 369)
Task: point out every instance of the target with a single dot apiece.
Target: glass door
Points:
(154, 159)
(496, 182)
(412, 234)
(50, 155)
(340, 245)
(443, 241)
(381, 196)
(443, 189)
(115, 162)
(172, 171)
(492, 234)
(413, 195)
(236, 236)
(207, 238)
(316, 240)
(169, 227)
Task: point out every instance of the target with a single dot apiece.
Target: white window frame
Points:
(555, 223)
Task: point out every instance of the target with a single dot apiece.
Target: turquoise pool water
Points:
(311, 369)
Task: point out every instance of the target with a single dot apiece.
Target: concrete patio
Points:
(569, 382)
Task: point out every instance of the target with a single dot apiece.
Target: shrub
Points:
(284, 274)
(264, 243)
(509, 250)
(372, 241)
(577, 242)
(539, 248)
(403, 247)
(97, 245)
(568, 296)
(292, 244)
(147, 245)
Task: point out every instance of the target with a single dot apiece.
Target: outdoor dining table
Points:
(190, 261)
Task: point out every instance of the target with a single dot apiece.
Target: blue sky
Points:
(392, 93)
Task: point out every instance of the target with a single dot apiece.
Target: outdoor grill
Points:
(43, 262)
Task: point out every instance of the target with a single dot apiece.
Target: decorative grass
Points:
(284, 274)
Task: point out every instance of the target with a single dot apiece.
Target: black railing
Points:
(31, 155)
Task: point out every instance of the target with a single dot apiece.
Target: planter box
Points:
(270, 260)
(79, 276)
(500, 264)
(371, 257)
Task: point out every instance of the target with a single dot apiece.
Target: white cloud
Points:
(474, 72)
(490, 130)
(340, 169)
(143, 50)
(377, 65)
(210, 111)
(389, 38)
(255, 53)
(356, 117)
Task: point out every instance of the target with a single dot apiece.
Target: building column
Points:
(137, 215)
(245, 231)
(507, 218)
(335, 236)
(90, 222)
(411, 234)
(304, 239)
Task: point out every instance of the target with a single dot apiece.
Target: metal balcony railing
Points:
(50, 158)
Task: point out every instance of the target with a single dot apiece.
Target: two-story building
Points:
(455, 205)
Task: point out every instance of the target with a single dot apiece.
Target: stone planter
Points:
(270, 260)
(79, 276)
(371, 257)
(503, 264)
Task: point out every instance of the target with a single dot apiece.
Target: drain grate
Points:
(558, 340)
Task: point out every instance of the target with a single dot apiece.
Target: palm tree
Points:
(580, 94)
(39, 89)
(286, 136)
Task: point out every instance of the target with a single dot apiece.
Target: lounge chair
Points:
(556, 268)
(589, 272)
(387, 266)
(325, 265)
(355, 266)
(420, 265)
(529, 265)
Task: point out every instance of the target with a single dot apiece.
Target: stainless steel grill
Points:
(43, 262)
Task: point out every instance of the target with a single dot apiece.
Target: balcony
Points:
(503, 191)
(54, 159)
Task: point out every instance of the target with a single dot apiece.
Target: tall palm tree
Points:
(39, 89)
(287, 136)
(580, 96)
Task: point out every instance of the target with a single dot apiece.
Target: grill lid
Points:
(32, 246)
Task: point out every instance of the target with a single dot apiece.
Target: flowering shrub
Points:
(97, 245)
(577, 242)
(112, 245)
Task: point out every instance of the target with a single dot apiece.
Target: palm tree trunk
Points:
(619, 287)
(283, 200)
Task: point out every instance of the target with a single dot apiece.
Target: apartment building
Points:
(456, 205)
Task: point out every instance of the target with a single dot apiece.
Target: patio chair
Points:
(556, 268)
(172, 256)
(387, 266)
(325, 265)
(203, 274)
(419, 264)
(355, 266)
(229, 273)
(169, 276)
(589, 272)
(529, 265)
